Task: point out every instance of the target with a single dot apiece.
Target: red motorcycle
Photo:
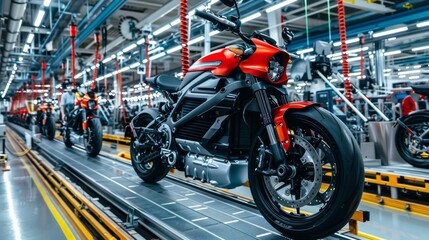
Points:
(83, 125)
(229, 122)
(45, 119)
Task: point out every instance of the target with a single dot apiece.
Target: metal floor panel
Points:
(168, 201)
(194, 214)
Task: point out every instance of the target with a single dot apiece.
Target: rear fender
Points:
(154, 113)
(280, 121)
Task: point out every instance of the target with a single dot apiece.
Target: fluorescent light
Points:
(124, 69)
(410, 72)
(391, 39)
(414, 77)
(196, 40)
(20, 59)
(308, 50)
(353, 59)
(215, 32)
(392, 53)
(107, 59)
(39, 18)
(389, 32)
(251, 17)
(417, 66)
(132, 46)
(162, 29)
(175, 22)
(134, 65)
(420, 48)
(422, 24)
(280, 5)
(144, 61)
(159, 55)
(174, 49)
(156, 50)
(78, 75)
(354, 74)
(348, 41)
(99, 78)
(401, 76)
(46, 3)
(30, 38)
(141, 41)
(387, 70)
(108, 75)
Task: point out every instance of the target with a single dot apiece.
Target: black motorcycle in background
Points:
(412, 136)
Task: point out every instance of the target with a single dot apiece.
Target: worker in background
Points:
(408, 104)
(67, 100)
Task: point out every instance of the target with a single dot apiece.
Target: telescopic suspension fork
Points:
(282, 170)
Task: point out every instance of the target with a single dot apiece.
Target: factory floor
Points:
(27, 210)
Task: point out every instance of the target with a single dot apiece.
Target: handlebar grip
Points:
(216, 19)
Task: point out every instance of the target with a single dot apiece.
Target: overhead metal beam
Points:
(85, 33)
(148, 20)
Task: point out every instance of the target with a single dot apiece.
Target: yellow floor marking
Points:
(63, 225)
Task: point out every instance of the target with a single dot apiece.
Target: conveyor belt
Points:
(184, 212)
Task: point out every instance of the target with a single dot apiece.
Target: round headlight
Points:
(275, 69)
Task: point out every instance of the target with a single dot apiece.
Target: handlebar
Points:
(209, 16)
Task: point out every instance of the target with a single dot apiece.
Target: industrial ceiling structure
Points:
(33, 31)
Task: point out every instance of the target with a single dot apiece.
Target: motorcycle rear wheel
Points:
(50, 128)
(153, 171)
(410, 150)
(297, 207)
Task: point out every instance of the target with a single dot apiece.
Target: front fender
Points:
(280, 122)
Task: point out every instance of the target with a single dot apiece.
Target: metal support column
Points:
(379, 64)
(274, 20)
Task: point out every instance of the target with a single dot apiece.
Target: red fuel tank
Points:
(220, 62)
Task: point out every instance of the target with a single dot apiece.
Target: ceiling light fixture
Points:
(162, 29)
(389, 32)
(420, 48)
(26, 48)
(251, 17)
(392, 53)
(348, 41)
(410, 72)
(422, 24)
(280, 5)
(175, 22)
(39, 18)
(308, 50)
(46, 3)
(196, 40)
(30, 38)
(174, 49)
(129, 48)
(159, 55)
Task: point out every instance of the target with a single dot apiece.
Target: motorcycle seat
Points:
(423, 90)
(165, 82)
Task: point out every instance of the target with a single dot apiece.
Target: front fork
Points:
(277, 150)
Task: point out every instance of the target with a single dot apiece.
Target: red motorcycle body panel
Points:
(280, 123)
(257, 64)
(220, 62)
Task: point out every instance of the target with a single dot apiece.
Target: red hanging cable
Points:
(343, 38)
(43, 78)
(32, 87)
(73, 32)
(149, 103)
(362, 59)
(118, 77)
(184, 35)
(96, 58)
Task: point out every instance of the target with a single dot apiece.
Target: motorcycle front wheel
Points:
(50, 128)
(409, 147)
(326, 189)
(94, 140)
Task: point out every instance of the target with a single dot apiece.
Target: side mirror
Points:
(229, 3)
(287, 35)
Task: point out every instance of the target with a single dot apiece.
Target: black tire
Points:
(153, 171)
(94, 141)
(50, 128)
(66, 138)
(339, 154)
(418, 123)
